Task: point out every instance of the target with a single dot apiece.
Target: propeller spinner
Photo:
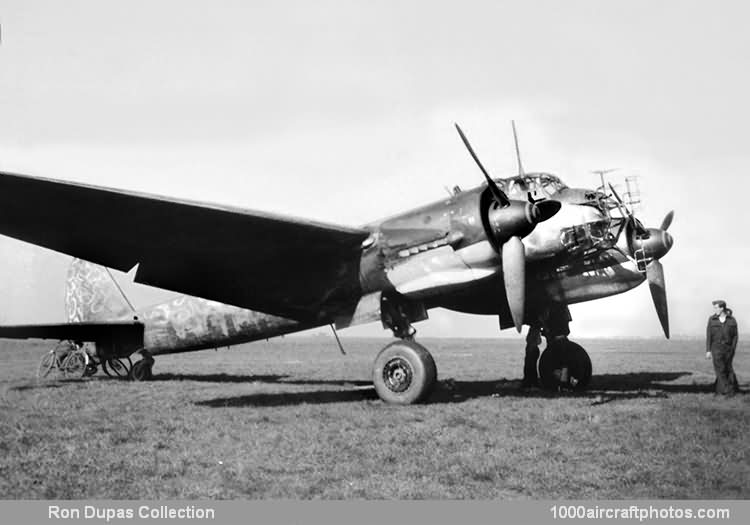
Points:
(511, 220)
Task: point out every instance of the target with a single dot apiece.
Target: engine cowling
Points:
(518, 219)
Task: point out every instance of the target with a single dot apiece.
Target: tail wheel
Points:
(92, 364)
(141, 370)
(565, 364)
(117, 367)
(46, 365)
(404, 373)
(74, 366)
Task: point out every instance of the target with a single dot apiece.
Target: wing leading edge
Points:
(278, 265)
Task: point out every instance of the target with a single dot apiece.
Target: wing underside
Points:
(283, 266)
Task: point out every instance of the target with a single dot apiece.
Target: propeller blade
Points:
(640, 229)
(514, 275)
(620, 205)
(655, 276)
(497, 193)
(667, 221)
(617, 197)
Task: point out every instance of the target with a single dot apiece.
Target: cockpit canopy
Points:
(539, 184)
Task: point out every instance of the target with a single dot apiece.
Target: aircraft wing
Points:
(283, 266)
(126, 331)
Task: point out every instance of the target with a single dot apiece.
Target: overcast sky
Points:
(343, 112)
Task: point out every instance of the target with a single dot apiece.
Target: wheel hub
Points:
(397, 374)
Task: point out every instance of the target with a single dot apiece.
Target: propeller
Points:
(655, 276)
(661, 243)
(651, 247)
(652, 243)
(514, 275)
(511, 221)
(667, 221)
(499, 195)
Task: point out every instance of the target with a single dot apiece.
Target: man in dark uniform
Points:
(554, 326)
(721, 342)
(533, 340)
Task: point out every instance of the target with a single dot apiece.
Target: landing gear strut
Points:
(404, 372)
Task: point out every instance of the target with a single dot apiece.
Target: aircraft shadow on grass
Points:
(205, 378)
(219, 378)
(603, 389)
(36, 386)
(232, 378)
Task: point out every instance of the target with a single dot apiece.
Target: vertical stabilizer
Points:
(92, 294)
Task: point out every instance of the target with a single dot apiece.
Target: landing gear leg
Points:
(404, 372)
(564, 365)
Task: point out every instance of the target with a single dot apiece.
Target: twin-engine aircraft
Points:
(521, 248)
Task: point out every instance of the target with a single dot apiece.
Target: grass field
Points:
(292, 418)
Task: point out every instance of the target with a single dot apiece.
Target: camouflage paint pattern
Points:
(190, 323)
(92, 295)
(180, 325)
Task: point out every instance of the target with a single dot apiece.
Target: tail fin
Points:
(92, 294)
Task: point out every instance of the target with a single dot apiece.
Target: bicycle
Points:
(69, 358)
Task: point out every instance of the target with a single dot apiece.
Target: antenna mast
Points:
(518, 152)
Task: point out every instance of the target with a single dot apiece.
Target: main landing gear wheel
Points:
(565, 364)
(142, 370)
(404, 373)
(117, 367)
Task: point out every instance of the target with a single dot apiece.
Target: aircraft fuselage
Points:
(444, 254)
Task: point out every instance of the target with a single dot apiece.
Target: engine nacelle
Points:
(517, 219)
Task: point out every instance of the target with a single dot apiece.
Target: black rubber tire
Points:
(560, 355)
(74, 365)
(404, 373)
(46, 364)
(116, 367)
(141, 370)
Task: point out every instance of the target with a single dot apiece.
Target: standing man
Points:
(533, 340)
(721, 342)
